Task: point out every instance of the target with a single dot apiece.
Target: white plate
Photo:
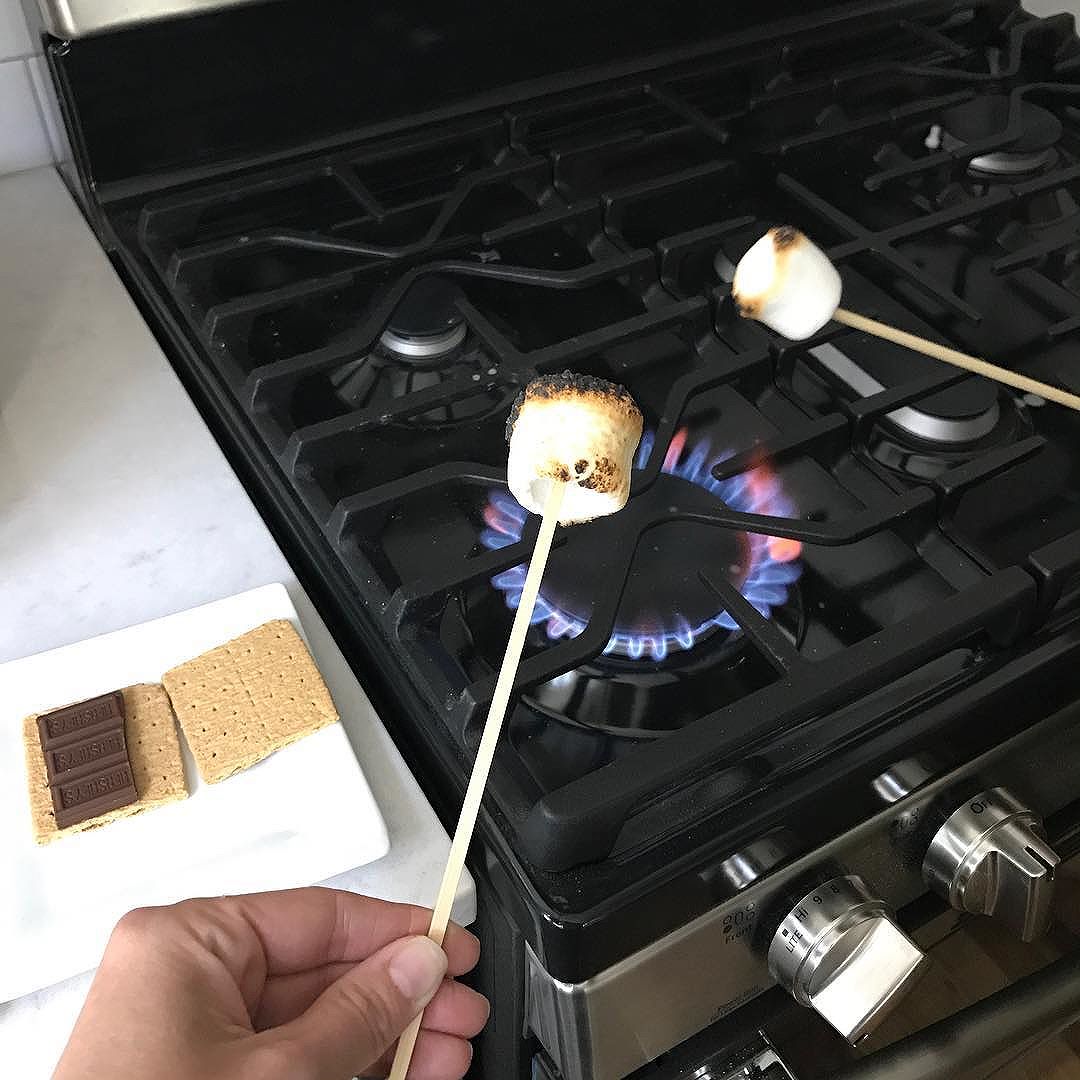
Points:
(300, 816)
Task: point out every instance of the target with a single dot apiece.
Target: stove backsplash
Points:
(194, 96)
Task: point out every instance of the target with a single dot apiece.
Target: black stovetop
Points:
(811, 566)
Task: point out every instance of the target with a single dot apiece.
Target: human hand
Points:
(307, 984)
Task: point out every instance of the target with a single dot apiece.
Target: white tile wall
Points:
(14, 33)
(45, 93)
(23, 139)
(31, 132)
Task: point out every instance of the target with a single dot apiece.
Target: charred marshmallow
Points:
(788, 283)
(577, 429)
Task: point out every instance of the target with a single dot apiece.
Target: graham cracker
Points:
(153, 750)
(245, 699)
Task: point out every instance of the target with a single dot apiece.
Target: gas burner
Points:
(424, 344)
(947, 428)
(666, 607)
(428, 323)
(634, 700)
(962, 415)
(988, 116)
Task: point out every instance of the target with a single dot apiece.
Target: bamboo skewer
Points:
(957, 359)
(485, 754)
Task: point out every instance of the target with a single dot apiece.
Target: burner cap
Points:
(988, 116)
(427, 323)
(417, 351)
(962, 413)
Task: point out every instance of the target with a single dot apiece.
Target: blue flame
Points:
(772, 568)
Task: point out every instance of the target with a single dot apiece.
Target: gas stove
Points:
(846, 590)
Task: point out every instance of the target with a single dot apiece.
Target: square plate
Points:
(300, 816)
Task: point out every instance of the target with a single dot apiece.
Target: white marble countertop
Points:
(117, 506)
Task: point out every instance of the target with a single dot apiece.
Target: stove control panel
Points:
(991, 858)
(839, 952)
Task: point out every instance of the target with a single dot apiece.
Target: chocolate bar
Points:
(92, 795)
(75, 721)
(86, 758)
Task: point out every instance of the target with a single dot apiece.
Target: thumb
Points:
(356, 1019)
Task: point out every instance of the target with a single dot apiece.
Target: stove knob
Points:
(838, 952)
(990, 858)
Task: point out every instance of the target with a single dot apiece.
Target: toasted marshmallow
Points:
(788, 283)
(577, 429)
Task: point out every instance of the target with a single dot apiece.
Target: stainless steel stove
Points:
(821, 669)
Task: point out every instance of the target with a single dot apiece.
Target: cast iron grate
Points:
(590, 230)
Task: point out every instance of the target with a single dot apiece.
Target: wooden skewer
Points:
(957, 359)
(485, 753)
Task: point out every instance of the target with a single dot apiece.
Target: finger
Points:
(359, 1016)
(437, 1056)
(308, 928)
(462, 950)
(457, 1009)
(285, 997)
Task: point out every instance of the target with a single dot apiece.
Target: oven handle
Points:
(1031, 1009)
